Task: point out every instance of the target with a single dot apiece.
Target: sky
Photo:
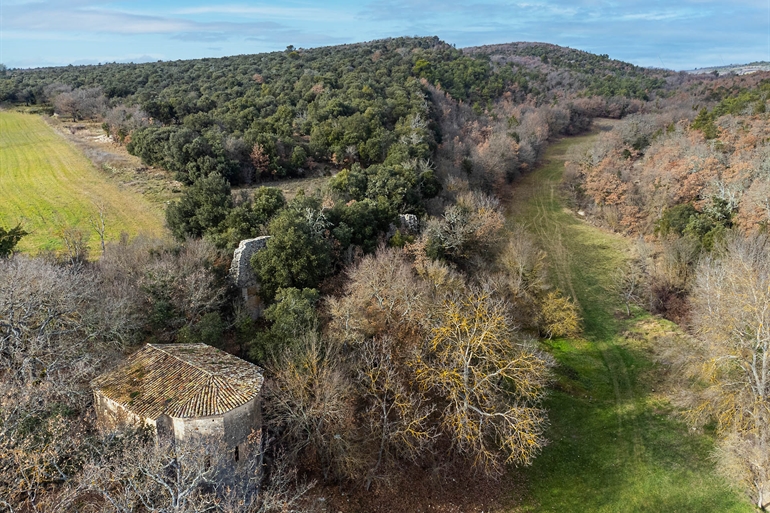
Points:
(675, 34)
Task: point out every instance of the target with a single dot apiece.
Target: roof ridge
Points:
(204, 371)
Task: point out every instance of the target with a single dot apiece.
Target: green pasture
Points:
(48, 186)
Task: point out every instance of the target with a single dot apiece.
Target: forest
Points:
(387, 348)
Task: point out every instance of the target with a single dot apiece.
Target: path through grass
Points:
(48, 185)
(614, 445)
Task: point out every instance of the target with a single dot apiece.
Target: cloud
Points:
(203, 37)
(642, 31)
(289, 13)
(55, 16)
(51, 16)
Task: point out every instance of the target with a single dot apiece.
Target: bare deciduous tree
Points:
(469, 228)
(76, 243)
(731, 314)
(190, 476)
(630, 284)
(98, 222)
(398, 416)
(80, 103)
(490, 383)
(311, 401)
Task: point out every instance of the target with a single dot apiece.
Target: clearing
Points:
(290, 187)
(615, 444)
(48, 186)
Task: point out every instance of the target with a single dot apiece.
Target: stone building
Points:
(182, 391)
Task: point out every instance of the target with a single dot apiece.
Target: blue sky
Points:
(681, 34)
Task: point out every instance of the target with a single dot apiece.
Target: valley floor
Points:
(615, 444)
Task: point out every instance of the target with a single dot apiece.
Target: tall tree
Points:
(203, 206)
(731, 313)
(298, 253)
(490, 383)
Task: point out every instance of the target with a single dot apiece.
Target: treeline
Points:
(366, 109)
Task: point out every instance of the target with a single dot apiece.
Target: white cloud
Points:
(289, 13)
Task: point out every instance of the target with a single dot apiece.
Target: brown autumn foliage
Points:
(652, 162)
(481, 153)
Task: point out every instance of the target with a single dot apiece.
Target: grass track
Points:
(614, 445)
(47, 185)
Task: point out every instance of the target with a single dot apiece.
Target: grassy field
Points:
(291, 187)
(48, 186)
(615, 445)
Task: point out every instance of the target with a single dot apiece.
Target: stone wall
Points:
(111, 415)
(409, 222)
(240, 269)
(206, 427)
(241, 421)
(244, 278)
(233, 427)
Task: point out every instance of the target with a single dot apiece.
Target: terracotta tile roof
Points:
(181, 381)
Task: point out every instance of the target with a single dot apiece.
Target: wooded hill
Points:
(328, 105)
(365, 108)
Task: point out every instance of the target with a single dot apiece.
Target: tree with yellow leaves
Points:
(397, 417)
(489, 383)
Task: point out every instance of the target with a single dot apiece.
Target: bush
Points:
(9, 238)
(201, 209)
(292, 315)
(208, 330)
(560, 316)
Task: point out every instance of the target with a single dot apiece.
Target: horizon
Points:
(691, 35)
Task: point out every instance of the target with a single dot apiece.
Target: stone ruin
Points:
(409, 222)
(243, 276)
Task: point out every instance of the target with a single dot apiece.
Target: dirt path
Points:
(614, 446)
(555, 232)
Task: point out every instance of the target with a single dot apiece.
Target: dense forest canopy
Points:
(556, 69)
(367, 109)
(329, 105)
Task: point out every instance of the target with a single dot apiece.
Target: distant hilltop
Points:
(735, 69)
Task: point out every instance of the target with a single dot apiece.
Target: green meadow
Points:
(48, 186)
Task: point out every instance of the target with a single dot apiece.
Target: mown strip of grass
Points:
(615, 446)
(47, 185)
